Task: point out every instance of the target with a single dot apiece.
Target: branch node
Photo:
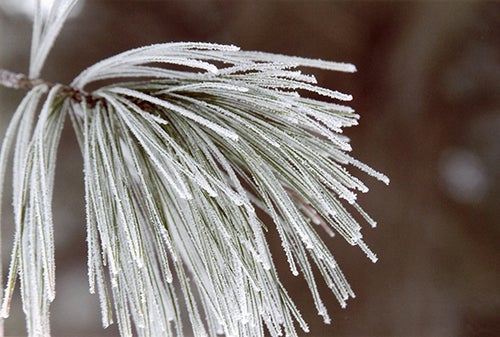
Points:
(13, 80)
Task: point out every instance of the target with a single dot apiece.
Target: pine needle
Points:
(180, 153)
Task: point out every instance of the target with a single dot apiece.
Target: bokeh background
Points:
(428, 91)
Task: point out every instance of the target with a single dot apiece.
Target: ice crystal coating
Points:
(179, 154)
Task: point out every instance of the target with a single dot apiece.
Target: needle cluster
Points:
(191, 155)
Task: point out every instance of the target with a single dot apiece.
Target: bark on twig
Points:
(17, 81)
(13, 80)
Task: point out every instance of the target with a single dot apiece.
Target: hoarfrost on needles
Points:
(177, 164)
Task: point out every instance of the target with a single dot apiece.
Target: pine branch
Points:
(177, 164)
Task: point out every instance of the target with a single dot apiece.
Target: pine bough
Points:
(181, 154)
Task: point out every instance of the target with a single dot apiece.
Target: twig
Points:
(17, 81)
(13, 80)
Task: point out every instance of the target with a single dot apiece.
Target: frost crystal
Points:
(177, 162)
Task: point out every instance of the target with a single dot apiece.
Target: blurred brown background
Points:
(427, 89)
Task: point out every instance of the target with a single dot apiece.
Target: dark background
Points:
(427, 89)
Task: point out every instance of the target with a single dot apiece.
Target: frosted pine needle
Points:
(179, 153)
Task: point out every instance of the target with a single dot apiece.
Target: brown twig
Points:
(17, 81)
(13, 80)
